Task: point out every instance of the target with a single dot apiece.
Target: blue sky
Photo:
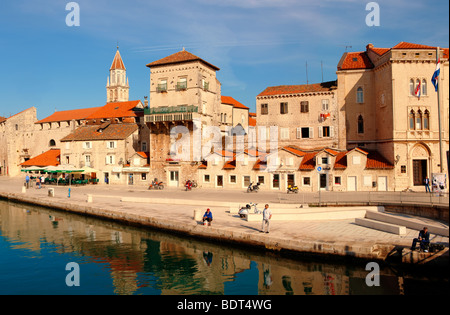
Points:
(255, 43)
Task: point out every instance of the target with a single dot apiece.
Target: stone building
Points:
(305, 115)
(377, 92)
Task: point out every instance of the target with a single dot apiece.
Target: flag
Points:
(436, 73)
(418, 89)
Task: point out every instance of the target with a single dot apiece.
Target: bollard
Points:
(89, 198)
(51, 192)
(197, 215)
(24, 189)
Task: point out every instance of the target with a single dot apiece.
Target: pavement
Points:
(331, 237)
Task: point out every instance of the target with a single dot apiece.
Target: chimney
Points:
(369, 46)
(146, 102)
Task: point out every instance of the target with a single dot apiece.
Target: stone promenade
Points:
(340, 238)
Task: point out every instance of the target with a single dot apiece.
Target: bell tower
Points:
(117, 87)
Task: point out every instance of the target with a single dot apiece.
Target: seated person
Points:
(207, 217)
(423, 238)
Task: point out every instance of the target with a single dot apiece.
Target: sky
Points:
(255, 43)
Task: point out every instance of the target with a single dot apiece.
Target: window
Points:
(426, 120)
(337, 180)
(264, 109)
(143, 176)
(325, 106)
(221, 117)
(225, 118)
(67, 160)
(424, 87)
(111, 144)
(87, 145)
(305, 132)
(52, 143)
(360, 124)
(306, 181)
(162, 86)
(411, 87)
(87, 158)
(283, 108)
(417, 84)
(144, 146)
(360, 95)
(284, 134)
(206, 178)
(419, 120)
(276, 181)
(110, 159)
(304, 107)
(411, 120)
(182, 84)
(205, 85)
(325, 160)
(233, 179)
(326, 132)
(261, 179)
(17, 127)
(403, 169)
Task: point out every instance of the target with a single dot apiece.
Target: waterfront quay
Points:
(336, 236)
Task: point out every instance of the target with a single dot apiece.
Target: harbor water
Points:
(39, 246)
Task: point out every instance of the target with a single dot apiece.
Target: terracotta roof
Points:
(68, 115)
(341, 160)
(308, 162)
(111, 132)
(116, 110)
(180, 57)
(354, 61)
(49, 158)
(252, 114)
(117, 62)
(294, 150)
(380, 51)
(230, 165)
(204, 165)
(331, 151)
(294, 89)
(252, 122)
(144, 155)
(260, 165)
(231, 101)
(405, 45)
(2, 119)
(376, 161)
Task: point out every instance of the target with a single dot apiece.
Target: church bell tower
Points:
(117, 87)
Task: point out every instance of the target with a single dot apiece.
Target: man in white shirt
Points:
(267, 215)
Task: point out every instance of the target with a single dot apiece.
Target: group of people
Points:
(39, 181)
(267, 216)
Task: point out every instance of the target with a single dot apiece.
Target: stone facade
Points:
(377, 94)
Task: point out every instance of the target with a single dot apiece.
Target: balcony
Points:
(161, 88)
(169, 114)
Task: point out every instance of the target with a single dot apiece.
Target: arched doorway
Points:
(420, 164)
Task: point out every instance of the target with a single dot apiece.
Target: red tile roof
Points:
(252, 122)
(355, 61)
(405, 45)
(68, 115)
(116, 110)
(380, 51)
(294, 89)
(260, 165)
(49, 158)
(180, 57)
(230, 165)
(231, 101)
(111, 132)
(308, 162)
(376, 161)
(341, 160)
(117, 62)
(294, 150)
(2, 119)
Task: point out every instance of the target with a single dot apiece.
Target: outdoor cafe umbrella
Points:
(89, 170)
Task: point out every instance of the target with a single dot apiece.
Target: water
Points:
(36, 244)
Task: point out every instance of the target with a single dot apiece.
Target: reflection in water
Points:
(37, 243)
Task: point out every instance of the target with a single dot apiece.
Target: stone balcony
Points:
(170, 114)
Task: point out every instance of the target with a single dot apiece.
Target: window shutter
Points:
(320, 132)
(311, 132)
(299, 133)
(331, 131)
(106, 160)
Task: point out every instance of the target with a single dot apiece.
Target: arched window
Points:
(419, 120)
(424, 87)
(426, 120)
(417, 84)
(360, 124)
(360, 95)
(411, 87)
(225, 118)
(411, 120)
(52, 143)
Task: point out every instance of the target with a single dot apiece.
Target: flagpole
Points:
(439, 113)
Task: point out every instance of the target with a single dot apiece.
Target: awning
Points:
(136, 170)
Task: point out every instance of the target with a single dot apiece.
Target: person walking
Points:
(267, 216)
(427, 185)
(27, 181)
